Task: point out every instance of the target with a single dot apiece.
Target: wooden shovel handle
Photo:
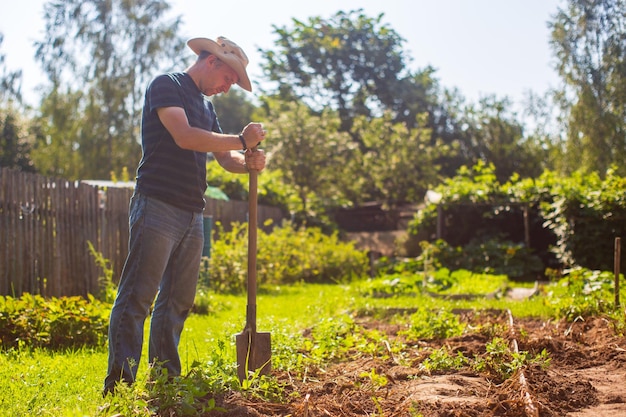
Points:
(252, 249)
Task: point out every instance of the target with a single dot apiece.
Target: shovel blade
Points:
(254, 353)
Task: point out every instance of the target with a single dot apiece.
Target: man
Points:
(179, 127)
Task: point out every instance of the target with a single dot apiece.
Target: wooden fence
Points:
(46, 225)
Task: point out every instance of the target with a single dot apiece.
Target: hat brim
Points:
(198, 45)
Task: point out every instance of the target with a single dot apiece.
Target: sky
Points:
(480, 47)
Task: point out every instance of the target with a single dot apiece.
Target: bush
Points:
(286, 255)
(490, 256)
(56, 323)
(572, 221)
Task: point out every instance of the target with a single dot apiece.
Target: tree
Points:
(351, 63)
(234, 111)
(10, 81)
(399, 165)
(589, 41)
(101, 55)
(59, 130)
(15, 140)
(310, 151)
(493, 135)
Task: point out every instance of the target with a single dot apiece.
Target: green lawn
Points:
(43, 383)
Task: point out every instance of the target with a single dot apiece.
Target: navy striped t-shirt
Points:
(167, 172)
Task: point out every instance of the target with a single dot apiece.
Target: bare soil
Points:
(585, 378)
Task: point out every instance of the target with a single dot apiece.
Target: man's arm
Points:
(195, 139)
(238, 163)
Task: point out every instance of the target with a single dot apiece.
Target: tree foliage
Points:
(311, 152)
(100, 54)
(234, 110)
(15, 139)
(492, 134)
(399, 164)
(352, 67)
(589, 41)
(10, 81)
(351, 63)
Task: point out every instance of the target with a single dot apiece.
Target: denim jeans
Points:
(165, 247)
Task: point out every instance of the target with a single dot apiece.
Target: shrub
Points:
(56, 323)
(490, 256)
(570, 221)
(284, 256)
(583, 293)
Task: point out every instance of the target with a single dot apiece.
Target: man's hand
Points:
(255, 160)
(253, 134)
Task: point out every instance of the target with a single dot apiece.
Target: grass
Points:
(43, 383)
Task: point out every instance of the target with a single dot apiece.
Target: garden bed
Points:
(584, 377)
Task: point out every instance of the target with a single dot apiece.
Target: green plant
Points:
(585, 214)
(272, 190)
(582, 293)
(501, 362)
(330, 339)
(287, 255)
(464, 282)
(569, 221)
(441, 360)
(391, 286)
(433, 324)
(107, 288)
(55, 323)
(375, 378)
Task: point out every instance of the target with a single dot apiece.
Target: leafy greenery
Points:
(583, 293)
(437, 324)
(571, 221)
(312, 326)
(442, 360)
(286, 255)
(501, 362)
(440, 281)
(98, 58)
(55, 323)
(490, 256)
(588, 42)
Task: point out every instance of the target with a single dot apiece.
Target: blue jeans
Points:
(165, 247)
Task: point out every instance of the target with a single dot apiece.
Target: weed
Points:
(263, 386)
(107, 288)
(582, 293)
(377, 380)
(441, 360)
(500, 362)
(437, 324)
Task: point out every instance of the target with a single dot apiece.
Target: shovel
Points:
(254, 352)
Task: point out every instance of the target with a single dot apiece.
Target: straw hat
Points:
(228, 52)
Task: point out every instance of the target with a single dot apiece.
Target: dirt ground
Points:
(586, 377)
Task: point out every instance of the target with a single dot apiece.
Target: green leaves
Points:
(588, 42)
(56, 323)
(576, 218)
(286, 255)
(98, 57)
